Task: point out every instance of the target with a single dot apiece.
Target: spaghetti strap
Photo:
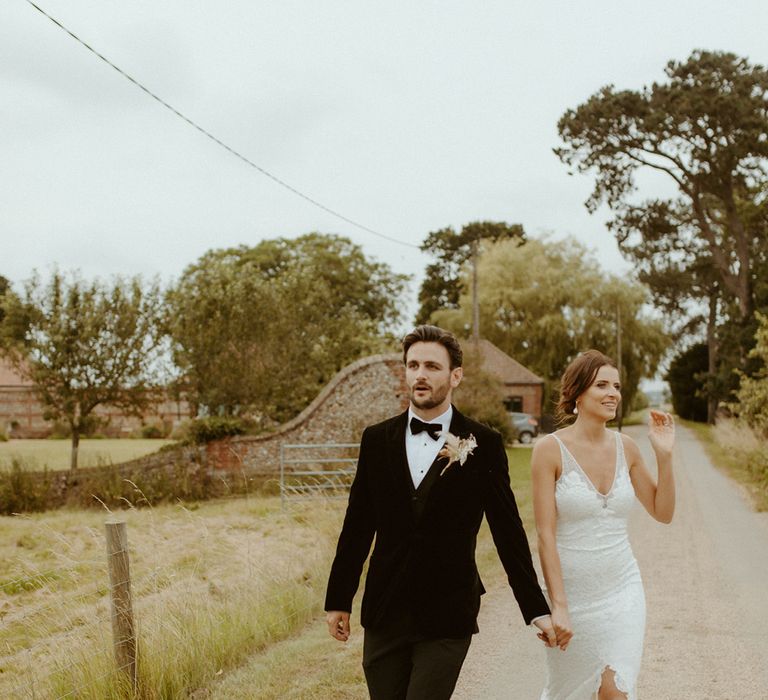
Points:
(566, 459)
(621, 460)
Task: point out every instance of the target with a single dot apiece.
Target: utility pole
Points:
(475, 300)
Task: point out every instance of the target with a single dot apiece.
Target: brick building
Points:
(21, 413)
(523, 390)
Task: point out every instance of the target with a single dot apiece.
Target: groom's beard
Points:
(434, 397)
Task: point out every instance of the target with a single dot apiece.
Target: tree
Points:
(261, 330)
(705, 129)
(544, 302)
(442, 284)
(4, 286)
(673, 261)
(752, 396)
(480, 395)
(86, 344)
(686, 381)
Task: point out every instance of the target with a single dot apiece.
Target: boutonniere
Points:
(456, 449)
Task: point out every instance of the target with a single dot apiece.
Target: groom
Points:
(422, 592)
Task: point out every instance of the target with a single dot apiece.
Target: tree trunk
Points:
(712, 358)
(741, 247)
(75, 446)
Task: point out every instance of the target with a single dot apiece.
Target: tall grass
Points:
(211, 586)
(741, 452)
(227, 598)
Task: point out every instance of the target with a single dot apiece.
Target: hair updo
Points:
(577, 378)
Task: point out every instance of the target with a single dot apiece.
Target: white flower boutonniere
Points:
(456, 449)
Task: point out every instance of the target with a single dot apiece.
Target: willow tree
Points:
(544, 302)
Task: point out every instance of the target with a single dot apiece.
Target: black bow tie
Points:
(432, 428)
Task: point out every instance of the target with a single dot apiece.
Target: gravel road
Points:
(706, 585)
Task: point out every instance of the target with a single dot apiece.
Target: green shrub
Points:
(757, 463)
(116, 487)
(180, 431)
(752, 395)
(3, 436)
(60, 431)
(211, 428)
(152, 431)
(22, 491)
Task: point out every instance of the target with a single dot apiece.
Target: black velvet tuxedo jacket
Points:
(423, 562)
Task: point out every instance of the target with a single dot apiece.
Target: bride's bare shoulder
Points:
(546, 447)
(631, 450)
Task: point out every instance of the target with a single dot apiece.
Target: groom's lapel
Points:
(397, 456)
(458, 423)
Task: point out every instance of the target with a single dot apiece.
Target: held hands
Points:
(661, 431)
(338, 624)
(555, 629)
(561, 621)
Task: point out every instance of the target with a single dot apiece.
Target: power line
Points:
(218, 141)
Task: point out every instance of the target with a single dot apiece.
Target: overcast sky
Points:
(404, 116)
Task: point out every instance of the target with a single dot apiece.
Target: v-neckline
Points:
(586, 476)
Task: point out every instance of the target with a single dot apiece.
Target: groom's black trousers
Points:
(401, 664)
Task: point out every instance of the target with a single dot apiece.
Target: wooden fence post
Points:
(123, 636)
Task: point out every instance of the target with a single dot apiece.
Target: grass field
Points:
(227, 595)
(54, 454)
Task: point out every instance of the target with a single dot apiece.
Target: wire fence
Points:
(79, 626)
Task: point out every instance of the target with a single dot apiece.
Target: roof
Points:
(500, 365)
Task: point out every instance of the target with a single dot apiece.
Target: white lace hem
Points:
(618, 678)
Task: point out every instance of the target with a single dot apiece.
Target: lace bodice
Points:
(584, 512)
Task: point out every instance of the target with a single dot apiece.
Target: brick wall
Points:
(363, 393)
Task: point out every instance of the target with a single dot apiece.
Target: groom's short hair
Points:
(434, 334)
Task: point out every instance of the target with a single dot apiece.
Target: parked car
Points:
(525, 425)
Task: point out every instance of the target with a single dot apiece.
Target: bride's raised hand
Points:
(661, 431)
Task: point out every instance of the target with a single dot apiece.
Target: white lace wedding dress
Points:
(602, 584)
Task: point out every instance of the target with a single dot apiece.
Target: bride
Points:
(585, 481)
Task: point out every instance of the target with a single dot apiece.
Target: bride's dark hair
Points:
(577, 378)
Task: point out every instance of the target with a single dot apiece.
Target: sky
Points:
(403, 116)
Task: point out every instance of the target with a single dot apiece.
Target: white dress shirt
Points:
(421, 449)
